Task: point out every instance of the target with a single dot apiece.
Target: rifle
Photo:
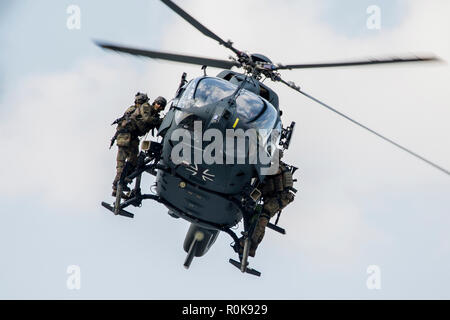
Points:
(113, 139)
(286, 135)
(118, 120)
(182, 83)
(125, 116)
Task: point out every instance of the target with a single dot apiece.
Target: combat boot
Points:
(125, 196)
(258, 234)
(125, 188)
(252, 250)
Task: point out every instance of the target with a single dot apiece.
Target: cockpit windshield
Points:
(210, 90)
(252, 109)
(249, 106)
(257, 112)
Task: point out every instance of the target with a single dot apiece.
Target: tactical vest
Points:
(145, 118)
(278, 182)
(125, 125)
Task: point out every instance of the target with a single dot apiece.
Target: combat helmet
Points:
(161, 101)
(140, 98)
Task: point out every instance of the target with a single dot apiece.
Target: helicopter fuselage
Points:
(212, 193)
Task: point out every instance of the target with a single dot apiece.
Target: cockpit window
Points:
(210, 90)
(249, 106)
(185, 99)
(257, 112)
(252, 109)
(187, 94)
(266, 119)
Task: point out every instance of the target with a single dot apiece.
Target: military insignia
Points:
(194, 170)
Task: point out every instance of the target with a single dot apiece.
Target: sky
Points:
(361, 202)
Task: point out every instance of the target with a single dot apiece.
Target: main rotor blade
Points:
(356, 63)
(200, 27)
(223, 64)
(293, 86)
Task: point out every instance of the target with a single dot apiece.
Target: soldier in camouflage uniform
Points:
(137, 121)
(277, 194)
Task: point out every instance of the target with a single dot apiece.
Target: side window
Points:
(249, 106)
(187, 94)
(184, 100)
(267, 118)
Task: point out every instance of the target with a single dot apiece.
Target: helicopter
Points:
(215, 197)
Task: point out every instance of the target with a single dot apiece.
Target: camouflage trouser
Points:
(271, 206)
(129, 154)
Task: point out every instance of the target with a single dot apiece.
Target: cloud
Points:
(57, 128)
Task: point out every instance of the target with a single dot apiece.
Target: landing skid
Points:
(243, 265)
(134, 197)
(120, 212)
(247, 270)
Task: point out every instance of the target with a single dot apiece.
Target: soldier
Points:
(277, 194)
(137, 121)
